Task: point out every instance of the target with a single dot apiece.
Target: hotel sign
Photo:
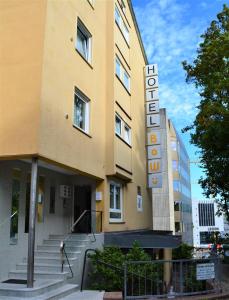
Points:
(153, 127)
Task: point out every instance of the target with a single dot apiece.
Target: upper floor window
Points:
(81, 111)
(122, 74)
(122, 129)
(83, 41)
(118, 125)
(122, 26)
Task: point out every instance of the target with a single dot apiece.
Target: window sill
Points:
(123, 85)
(81, 130)
(88, 63)
(91, 4)
(118, 222)
(123, 140)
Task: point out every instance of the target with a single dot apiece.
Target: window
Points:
(16, 186)
(121, 24)
(126, 80)
(127, 134)
(115, 202)
(177, 227)
(118, 125)
(122, 129)
(176, 186)
(52, 199)
(139, 199)
(175, 165)
(81, 111)
(173, 145)
(176, 206)
(122, 74)
(83, 41)
(118, 18)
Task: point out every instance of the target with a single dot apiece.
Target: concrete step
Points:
(57, 236)
(21, 291)
(56, 248)
(43, 267)
(59, 293)
(56, 261)
(46, 253)
(20, 274)
(57, 242)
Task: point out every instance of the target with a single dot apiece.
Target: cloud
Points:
(170, 36)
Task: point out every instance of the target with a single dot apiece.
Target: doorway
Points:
(82, 202)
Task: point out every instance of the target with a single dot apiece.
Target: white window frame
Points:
(120, 119)
(122, 25)
(116, 210)
(127, 140)
(122, 74)
(124, 125)
(82, 97)
(84, 31)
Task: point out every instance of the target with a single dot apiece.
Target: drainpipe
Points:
(32, 221)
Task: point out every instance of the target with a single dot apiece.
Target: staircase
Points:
(50, 282)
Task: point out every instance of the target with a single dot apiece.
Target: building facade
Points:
(206, 223)
(76, 111)
(181, 187)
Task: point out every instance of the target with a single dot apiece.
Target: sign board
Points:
(205, 271)
(153, 127)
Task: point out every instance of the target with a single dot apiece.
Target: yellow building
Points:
(72, 102)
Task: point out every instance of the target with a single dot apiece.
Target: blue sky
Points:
(171, 31)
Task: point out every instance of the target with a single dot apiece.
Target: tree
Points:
(210, 129)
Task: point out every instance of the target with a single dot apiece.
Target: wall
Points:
(21, 38)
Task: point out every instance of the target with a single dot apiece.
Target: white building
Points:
(205, 222)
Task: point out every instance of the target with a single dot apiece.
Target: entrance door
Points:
(82, 202)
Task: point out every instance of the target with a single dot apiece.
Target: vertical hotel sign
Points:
(153, 127)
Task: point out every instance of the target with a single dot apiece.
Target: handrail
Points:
(63, 252)
(62, 244)
(78, 220)
(8, 218)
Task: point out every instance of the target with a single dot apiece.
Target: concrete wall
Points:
(162, 198)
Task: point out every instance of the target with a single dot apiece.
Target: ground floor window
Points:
(15, 206)
(116, 214)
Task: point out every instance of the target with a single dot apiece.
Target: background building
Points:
(206, 222)
(181, 187)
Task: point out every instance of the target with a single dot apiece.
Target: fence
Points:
(160, 278)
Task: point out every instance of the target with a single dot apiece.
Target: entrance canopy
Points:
(146, 238)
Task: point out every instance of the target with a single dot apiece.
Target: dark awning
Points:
(146, 238)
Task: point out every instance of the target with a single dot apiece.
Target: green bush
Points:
(184, 251)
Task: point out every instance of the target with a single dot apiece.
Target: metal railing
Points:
(67, 237)
(160, 278)
(10, 217)
(63, 256)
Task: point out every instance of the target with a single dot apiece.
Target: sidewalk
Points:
(85, 295)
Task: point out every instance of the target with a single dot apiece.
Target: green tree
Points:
(210, 129)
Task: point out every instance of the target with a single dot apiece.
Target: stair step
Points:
(57, 242)
(46, 253)
(20, 274)
(59, 293)
(51, 260)
(57, 248)
(44, 267)
(22, 292)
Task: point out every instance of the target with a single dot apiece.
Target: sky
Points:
(170, 31)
